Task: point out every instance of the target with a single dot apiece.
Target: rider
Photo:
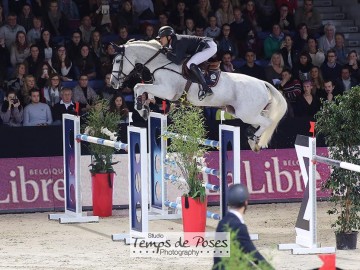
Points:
(177, 47)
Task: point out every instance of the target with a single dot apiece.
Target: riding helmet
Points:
(165, 31)
(237, 195)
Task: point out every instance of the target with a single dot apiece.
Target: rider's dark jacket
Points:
(184, 45)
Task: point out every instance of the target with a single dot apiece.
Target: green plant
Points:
(101, 123)
(238, 258)
(339, 122)
(189, 121)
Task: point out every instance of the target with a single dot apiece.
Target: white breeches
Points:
(204, 55)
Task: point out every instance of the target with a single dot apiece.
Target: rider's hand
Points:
(164, 50)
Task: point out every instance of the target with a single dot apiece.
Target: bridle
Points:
(137, 68)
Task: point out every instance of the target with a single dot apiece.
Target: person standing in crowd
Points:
(37, 113)
(238, 200)
(11, 110)
(307, 104)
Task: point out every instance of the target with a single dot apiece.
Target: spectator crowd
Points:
(56, 53)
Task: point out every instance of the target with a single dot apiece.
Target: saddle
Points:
(211, 71)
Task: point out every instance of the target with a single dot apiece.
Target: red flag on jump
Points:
(164, 106)
(312, 128)
(77, 108)
(329, 262)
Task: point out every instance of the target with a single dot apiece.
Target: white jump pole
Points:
(305, 227)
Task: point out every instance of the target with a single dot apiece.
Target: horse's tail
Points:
(276, 111)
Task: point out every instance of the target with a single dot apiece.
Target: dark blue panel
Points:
(70, 166)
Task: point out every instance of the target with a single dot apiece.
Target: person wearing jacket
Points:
(178, 47)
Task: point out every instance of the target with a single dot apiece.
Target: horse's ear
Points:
(120, 49)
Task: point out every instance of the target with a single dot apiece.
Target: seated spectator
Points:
(61, 63)
(46, 45)
(307, 104)
(253, 15)
(252, 42)
(19, 49)
(144, 9)
(163, 19)
(274, 69)
(290, 87)
(86, 29)
(251, 68)
(51, 92)
(40, 7)
(226, 64)
(107, 60)
(317, 80)
(11, 110)
(96, 45)
(26, 17)
(37, 113)
(329, 92)
(33, 61)
(65, 105)
(301, 37)
(224, 14)
(29, 84)
(340, 49)
(9, 30)
(330, 69)
(212, 30)
(199, 31)
(43, 74)
(108, 91)
(310, 16)
(85, 64)
(317, 56)
(301, 70)
(102, 17)
(189, 27)
(345, 82)
(55, 20)
(285, 20)
(327, 41)
(17, 83)
(69, 8)
(163, 6)
(226, 43)
(34, 34)
(126, 17)
(201, 12)
(123, 35)
(178, 16)
(273, 42)
(15, 5)
(149, 33)
(117, 105)
(288, 52)
(354, 65)
(240, 27)
(73, 47)
(292, 4)
(84, 94)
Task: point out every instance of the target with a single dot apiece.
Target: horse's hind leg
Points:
(263, 122)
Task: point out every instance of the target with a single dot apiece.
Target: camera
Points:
(15, 100)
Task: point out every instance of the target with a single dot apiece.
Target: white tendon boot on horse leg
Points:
(253, 141)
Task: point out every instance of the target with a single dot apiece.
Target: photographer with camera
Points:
(11, 111)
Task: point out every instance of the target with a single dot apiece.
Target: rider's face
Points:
(164, 41)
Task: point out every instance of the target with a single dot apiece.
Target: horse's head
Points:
(121, 67)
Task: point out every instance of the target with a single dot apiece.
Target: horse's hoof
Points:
(254, 145)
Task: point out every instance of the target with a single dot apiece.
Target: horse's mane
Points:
(151, 43)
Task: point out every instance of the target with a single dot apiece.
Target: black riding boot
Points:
(205, 91)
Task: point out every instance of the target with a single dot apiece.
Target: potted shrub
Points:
(187, 120)
(339, 122)
(100, 122)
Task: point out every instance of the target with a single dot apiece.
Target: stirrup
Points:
(139, 104)
(203, 94)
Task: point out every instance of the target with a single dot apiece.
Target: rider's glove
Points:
(164, 50)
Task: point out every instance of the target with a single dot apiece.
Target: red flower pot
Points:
(102, 194)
